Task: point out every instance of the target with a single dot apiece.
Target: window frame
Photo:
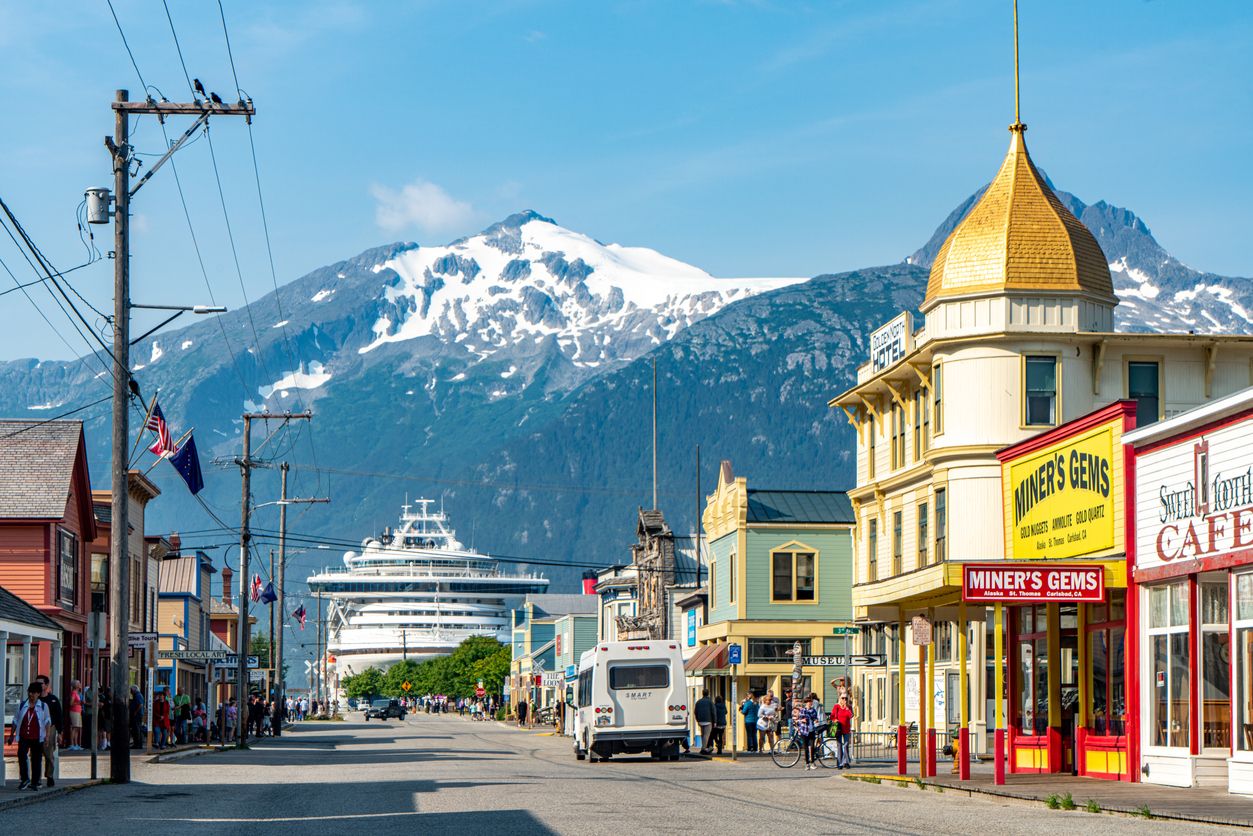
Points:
(937, 395)
(731, 577)
(940, 529)
(898, 542)
(872, 447)
(1160, 363)
(794, 551)
(898, 436)
(68, 566)
(1057, 389)
(924, 533)
(872, 548)
(1176, 739)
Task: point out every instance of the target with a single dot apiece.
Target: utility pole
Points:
(270, 679)
(654, 433)
(120, 151)
(119, 556)
(246, 464)
(281, 695)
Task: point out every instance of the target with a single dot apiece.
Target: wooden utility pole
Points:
(246, 464)
(119, 551)
(280, 697)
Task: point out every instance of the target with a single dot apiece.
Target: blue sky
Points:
(748, 138)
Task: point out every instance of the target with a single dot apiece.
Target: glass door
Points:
(1215, 682)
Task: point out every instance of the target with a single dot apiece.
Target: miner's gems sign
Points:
(1064, 499)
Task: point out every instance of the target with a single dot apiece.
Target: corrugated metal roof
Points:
(36, 466)
(178, 575)
(799, 507)
(13, 608)
(560, 604)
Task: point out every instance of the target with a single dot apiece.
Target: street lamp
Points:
(179, 310)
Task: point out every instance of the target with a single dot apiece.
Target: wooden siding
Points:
(720, 551)
(24, 562)
(834, 568)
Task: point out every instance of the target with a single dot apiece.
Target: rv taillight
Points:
(674, 647)
(683, 708)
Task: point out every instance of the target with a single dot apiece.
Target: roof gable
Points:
(39, 463)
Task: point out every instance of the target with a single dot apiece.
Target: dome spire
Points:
(1018, 126)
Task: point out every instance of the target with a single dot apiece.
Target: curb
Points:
(181, 754)
(42, 795)
(1008, 796)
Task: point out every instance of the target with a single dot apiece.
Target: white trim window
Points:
(1168, 684)
(1242, 593)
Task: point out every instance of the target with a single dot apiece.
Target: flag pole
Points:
(178, 443)
(142, 427)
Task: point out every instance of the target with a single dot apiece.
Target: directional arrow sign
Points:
(866, 660)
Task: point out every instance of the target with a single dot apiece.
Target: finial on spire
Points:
(1018, 126)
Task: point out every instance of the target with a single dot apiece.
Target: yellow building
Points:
(1018, 338)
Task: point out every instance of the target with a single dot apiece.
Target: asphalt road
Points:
(448, 775)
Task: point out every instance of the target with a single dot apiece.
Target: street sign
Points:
(845, 631)
(195, 655)
(140, 639)
(480, 691)
(735, 654)
(922, 630)
(865, 660)
(406, 686)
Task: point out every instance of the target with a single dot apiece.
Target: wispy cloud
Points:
(419, 205)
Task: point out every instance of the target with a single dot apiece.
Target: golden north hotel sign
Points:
(1063, 490)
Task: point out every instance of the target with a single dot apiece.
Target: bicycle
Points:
(786, 752)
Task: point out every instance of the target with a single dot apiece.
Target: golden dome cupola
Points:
(1020, 239)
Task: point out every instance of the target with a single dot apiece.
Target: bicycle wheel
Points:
(828, 753)
(787, 754)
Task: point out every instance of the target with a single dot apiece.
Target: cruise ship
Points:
(415, 593)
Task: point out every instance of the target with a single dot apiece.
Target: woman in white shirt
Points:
(767, 722)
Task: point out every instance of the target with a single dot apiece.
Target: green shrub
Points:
(1143, 810)
(1092, 806)
(1054, 801)
(1067, 802)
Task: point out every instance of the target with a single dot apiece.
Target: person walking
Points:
(806, 723)
(720, 722)
(750, 709)
(76, 717)
(53, 738)
(768, 722)
(522, 709)
(160, 720)
(136, 717)
(842, 720)
(32, 724)
(104, 707)
(703, 712)
(181, 712)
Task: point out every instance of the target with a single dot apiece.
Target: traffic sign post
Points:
(845, 631)
(735, 657)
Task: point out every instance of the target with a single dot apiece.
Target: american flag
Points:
(256, 588)
(164, 445)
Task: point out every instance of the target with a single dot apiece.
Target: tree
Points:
(368, 683)
(398, 674)
(259, 646)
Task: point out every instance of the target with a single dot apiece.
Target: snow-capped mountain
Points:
(528, 279)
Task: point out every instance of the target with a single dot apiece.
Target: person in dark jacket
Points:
(720, 722)
(137, 718)
(703, 712)
(749, 710)
(54, 733)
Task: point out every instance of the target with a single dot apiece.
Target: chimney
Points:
(228, 594)
(176, 543)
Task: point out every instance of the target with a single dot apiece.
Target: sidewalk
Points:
(1209, 805)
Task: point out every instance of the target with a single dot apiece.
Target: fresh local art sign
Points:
(891, 342)
(1025, 584)
(1060, 501)
(1194, 499)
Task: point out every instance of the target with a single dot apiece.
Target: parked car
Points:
(385, 709)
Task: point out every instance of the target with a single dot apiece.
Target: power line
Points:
(178, 47)
(66, 414)
(229, 53)
(128, 47)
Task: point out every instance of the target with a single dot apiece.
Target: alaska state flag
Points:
(268, 595)
(187, 462)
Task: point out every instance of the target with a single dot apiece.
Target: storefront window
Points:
(1244, 660)
(1168, 652)
(777, 651)
(1106, 648)
(1215, 667)
(1033, 674)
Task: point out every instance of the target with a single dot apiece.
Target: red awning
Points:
(709, 660)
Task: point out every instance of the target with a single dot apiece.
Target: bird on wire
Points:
(198, 87)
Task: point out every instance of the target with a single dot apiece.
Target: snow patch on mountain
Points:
(157, 352)
(1143, 287)
(300, 379)
(321, 294)
(528, 276)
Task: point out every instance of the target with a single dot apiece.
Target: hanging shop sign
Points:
(1065, 499)
(891, 342)
(1026, 584)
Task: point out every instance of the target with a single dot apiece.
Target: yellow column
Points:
(1055, 667)
(998, 663)
(963, 660)
(1085, 673)
(900, 666)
